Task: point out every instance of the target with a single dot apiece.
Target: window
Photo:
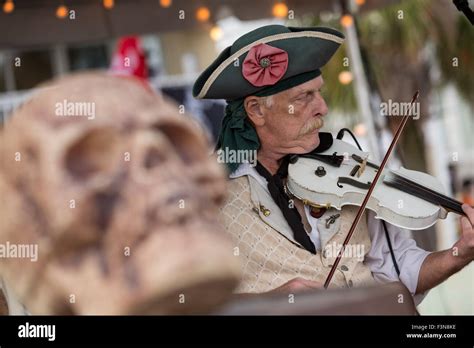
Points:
(34, 67)
(89, 57)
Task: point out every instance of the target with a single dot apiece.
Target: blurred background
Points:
(392, 49)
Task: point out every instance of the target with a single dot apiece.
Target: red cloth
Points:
(265, 65)
(129, 58)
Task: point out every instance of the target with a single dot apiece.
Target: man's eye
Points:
(305, 96)
(301, 97)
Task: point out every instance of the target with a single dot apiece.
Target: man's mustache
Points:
(313, 124)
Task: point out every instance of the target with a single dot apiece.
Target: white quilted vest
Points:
(269, 254)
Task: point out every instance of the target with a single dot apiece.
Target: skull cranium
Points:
(121, 203)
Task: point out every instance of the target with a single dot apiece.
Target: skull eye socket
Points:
(187, 143)
(93, 153)
(153, 158)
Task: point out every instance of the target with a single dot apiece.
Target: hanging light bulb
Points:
(280, 10)
(61, 11)
(8, 6)
(360, 130)
(216, 33)
(108, 4)
(347, 20)
(203, 14)
(165, 3)
(345, 77)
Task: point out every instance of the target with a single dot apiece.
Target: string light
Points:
(61, 11)
(347, 20)
(345, 77)
(8, 6)
(360, 2)
(203, 14)
(360, 130)
(166, 3)
(108, 4)
(280, 10)
(215, 33)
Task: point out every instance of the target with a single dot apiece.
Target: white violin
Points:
(341, 175)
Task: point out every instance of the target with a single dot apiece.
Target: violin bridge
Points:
(362, 167)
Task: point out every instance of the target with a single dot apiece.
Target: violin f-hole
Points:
(352, 182)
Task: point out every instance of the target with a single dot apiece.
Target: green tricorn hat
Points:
(271, 57)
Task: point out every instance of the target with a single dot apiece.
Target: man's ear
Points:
(254, 109)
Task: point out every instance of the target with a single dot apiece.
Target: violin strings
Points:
(436, 198)
(413, 191)
(424, 193)
(427, 189)
(430, 198)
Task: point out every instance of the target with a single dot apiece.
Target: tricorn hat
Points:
(268, 56)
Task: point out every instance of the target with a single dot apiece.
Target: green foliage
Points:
(394, 39)
(397, 35)
(456, 60)
(337, 95)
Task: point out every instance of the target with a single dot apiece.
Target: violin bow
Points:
(369, 192)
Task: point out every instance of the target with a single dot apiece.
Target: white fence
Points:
(10, 101)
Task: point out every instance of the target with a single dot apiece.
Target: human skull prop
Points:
(119, 194)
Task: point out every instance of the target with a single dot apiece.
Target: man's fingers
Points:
(469, 212)
(312, 284)
(300, 284)
(466, 225)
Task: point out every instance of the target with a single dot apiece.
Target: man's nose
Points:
(321, 107)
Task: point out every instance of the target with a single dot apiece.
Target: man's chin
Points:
(309, 145)
(316, 144)
(314, 137)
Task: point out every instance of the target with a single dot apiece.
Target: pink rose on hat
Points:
(264, 65)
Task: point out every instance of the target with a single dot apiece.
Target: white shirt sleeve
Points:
(14, 307)
(408, 255)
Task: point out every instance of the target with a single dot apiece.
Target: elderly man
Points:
(271, 80)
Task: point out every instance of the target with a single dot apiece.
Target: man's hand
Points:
(290, 287)
(465, 244)
(440, 265)
(297, 285)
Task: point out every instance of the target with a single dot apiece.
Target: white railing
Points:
(10, 101)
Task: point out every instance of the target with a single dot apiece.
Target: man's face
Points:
(293, 120)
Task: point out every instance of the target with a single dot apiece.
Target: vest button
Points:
(264, 210)
(344, 268)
